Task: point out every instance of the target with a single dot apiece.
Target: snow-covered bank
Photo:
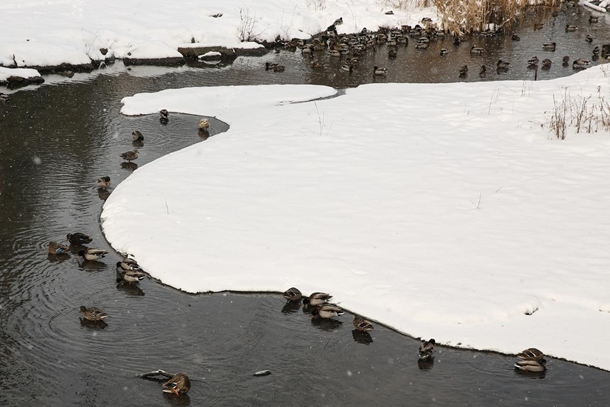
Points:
(19, 76)
(443, 211)
(50, 33)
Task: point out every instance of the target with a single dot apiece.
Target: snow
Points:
(75, 30)
(6, 73)
(442, 211)
(152, 49)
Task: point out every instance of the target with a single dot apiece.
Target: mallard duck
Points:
(546, 63)
(515, 37)
(92, 254)
(502, 64)
(178, 384)
(463, 71)
(580, 63)
(338, 21)
(457, 40)
(362, 324)
(128, 264)
(392, 53)
(571, 28)
(129, 276)
(57, 248)
(538, 26)
(130, 155)
(474, 50)
(422, 45)
(4, 98)
(531, 365)
(588, 38)
(317, 64)
(533, 62)
(137, 136)
(596, 50)
(549, 46)
(334, 53)
(317, 299)
(78, 238)
(103, 182)
(566, 60)
(444, 52)
(292, 294)
(531, 354)
(204, 124)
(279, 68)
(92, 313)
(326, 311)
(163, 114)
(593, 19)
(483, 71)
(347, 68)
(426, 349)
(379, 71)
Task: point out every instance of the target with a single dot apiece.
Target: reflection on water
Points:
(56, 141)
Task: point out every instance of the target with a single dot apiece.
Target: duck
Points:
(137, 136)
(93, 314)
(531, 354)
(426, 349)
(546, 63)
(593, 19)
(463, 71)
(533, 62)
(580, 63)
(92, 254)
(103, 182)
(483, 71)
(128, 264)
(502, 64)
(392, 53)
(588, 38)
(566, 60)
(130, 155)
(129, 276)
(57, 248)
(317, 64)
(4, 98)
(279, 68)
(531, 365)
(338, 21)
(379, 71)
(204, 124)
(78, 238)
(292, 294)
(163, 115)
(422, 45)
(362, 324)
(538, 26)
(178, 384)
(474, 50)
(515, 37)
(571, 28)
(270, 65)
(549, 46)
(317, 298)
(347, 68)
(444, 52)
(596, 50)
(457, 40)
(326, 311)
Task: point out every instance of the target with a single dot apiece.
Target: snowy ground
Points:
(50, 32)
(443, 211)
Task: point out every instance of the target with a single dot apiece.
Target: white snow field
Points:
(442, 211)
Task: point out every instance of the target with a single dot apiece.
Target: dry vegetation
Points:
(585, 114)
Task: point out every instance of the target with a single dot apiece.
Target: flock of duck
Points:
(127, 269)
(353, 46)
(529, 360)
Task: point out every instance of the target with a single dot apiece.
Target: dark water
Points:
(55, 141)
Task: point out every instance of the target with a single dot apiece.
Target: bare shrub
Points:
(247, 23)
(581, 112)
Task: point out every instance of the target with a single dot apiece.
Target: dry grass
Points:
(466, 16)
(584, 114)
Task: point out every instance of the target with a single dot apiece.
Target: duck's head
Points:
(83, 308)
